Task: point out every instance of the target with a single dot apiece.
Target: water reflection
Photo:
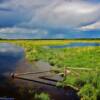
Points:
(9, 57)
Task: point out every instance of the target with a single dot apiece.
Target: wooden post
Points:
(65, 72)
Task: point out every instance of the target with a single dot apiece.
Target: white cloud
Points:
(22, 30)
(22, 33)
(48, 14)
(62, 14)
(91, 27)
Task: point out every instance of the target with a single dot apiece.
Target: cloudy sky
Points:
(49, 19)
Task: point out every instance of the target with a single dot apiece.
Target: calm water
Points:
(76, 44)
(10, 55)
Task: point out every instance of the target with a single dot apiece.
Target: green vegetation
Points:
(42, 96)
(83, 63)
(87, 83)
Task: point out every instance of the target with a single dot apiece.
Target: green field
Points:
(82, 62)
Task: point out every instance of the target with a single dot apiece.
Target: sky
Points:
(47, 19)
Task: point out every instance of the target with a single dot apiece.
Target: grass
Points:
(42, 96)
(70, 58)
(37, 42)
(88, 57)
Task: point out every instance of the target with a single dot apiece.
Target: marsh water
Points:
(12, 60)
(77, 44)
(10, 55)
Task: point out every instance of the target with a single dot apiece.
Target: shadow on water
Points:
(23, 86)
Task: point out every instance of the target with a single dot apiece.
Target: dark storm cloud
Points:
(5, 9)
(2, 1)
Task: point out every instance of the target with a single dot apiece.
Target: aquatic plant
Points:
(42, 96)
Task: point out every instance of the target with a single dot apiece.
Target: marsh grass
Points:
(88, 82)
